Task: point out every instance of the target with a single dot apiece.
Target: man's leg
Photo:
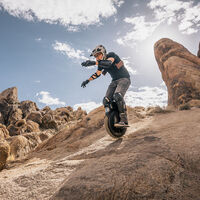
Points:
(109, 94)
(122, 86)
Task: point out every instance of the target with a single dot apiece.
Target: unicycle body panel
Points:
(112, 117)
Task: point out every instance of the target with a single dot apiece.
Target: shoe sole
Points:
(120, 126)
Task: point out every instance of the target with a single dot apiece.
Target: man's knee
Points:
(120, 102)
(118, 97)
(106, 101)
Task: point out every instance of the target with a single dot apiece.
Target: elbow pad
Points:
(105, 64)
(94, 76)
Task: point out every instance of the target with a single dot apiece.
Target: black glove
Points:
(84, 83)
(88, 63)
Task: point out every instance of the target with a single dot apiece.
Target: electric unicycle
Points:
(112, 117)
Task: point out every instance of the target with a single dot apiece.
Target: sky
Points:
(43, 43)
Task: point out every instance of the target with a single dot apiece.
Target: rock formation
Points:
(4, 153)
(8, 103)
(23, 125)
(180, 71)
(198, 53)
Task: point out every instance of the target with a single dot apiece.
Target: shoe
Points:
(120, 124)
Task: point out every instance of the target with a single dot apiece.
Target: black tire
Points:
(109, 122)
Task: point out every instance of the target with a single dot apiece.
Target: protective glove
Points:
(88, 63)
(84, 83)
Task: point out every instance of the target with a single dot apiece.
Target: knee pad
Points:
(120, 102)
(106, 101)
(118, 97)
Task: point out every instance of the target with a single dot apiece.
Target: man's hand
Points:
(88, 63)
(84, 83)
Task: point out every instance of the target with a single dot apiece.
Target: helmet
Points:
(99, 49)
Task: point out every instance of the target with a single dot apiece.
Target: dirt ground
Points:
(158, 158)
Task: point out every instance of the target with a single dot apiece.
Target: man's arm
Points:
(106, 64)
(95, 75)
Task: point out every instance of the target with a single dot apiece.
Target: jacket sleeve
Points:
(105, 64)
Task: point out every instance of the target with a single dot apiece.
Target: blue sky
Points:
(42, 44)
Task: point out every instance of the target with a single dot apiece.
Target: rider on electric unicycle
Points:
(112, 64)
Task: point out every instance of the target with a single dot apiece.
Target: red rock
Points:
(180, 71)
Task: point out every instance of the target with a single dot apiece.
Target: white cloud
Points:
(87, 106)
(147, 96)
(48, 100)
(37, 81)
(64, 12)
(140, 30)
(118, 2)
(38, 39)
(73, 28)
(69, 51)
(186, 14)
(128, 65)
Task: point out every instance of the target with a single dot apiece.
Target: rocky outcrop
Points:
(1, 118)
(27, 107)
(35, 116)
(23, 117)
(14, 115)
(24, 125)
(10, 95)
(157, 161)
(4, 134)
(4, 153)
(180, 71)
(19, 146)
(8, 103)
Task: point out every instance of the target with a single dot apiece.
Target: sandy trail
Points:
(38, 178)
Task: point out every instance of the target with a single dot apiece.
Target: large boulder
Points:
(32, 127)
(45, 110)
(49, 121)
(10, 95)
(14, 115)
(33, 139)
(4, 134)
(80, 114)
(35, 116)
(23, 126)
(27, 107)
(1, 118)
(13, 130)
(180, 71)
(156, 161)
(19, 146)
(8, 102)
(64, 114)
(18, 128)
(4, 153)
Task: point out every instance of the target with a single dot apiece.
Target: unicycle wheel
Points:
(109, 122)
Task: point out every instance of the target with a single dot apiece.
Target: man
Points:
(198, 53)
(112, 64)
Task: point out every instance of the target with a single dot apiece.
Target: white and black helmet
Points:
(99, 49)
